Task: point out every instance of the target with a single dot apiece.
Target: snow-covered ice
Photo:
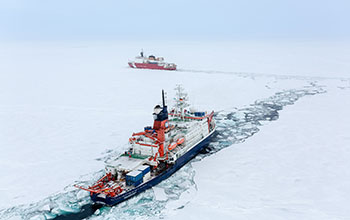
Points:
(65, 108)
(296, 168)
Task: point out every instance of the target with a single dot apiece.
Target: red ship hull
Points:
(151, 66)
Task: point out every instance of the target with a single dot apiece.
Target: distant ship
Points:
(155, 153)
(151, 62)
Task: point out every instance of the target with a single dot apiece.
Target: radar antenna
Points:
(180, 101)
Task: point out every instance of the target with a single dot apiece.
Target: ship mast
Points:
(180, 101)
(160, 124)
(163, 98)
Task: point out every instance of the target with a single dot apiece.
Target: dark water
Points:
(86, 211)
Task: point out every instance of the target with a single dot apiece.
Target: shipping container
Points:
(144, 169)
(134, 176)
(138, 182)
(199, 114)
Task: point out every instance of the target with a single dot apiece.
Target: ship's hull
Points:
(151, 66)
(144, 186)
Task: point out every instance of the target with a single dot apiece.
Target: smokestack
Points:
(163, 98)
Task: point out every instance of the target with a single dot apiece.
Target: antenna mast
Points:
(180, 100)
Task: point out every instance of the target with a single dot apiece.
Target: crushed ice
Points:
(233, 127)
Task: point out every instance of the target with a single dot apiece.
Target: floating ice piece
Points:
(229, 123)
(49, 215)
(55, 211)
(97, 212)
(38, 217)
(15, 218)
(249, 125)
(160, 194)
(45, 207)
(64, 209)
(82, 194)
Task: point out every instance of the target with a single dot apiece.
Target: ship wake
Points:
(233, 126)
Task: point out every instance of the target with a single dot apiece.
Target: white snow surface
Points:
(64, 107)
(294, 168)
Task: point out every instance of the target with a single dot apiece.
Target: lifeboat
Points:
(151, 62)
(172, 146)
(180, 141)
